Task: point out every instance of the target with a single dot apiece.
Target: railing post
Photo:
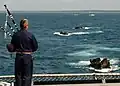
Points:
(12, 84)
(32, 83)
(103, 81)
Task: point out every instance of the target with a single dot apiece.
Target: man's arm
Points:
(34, 44)
(11, 47)
(13, 40)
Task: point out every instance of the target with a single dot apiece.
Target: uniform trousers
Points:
(23, 69)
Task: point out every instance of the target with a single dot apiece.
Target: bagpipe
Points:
(4, 29)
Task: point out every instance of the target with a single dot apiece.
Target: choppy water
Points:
(67, 54)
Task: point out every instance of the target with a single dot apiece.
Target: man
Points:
(95, 63)
(23, 43)
(64, 33)
(98, 64)
(105, 63)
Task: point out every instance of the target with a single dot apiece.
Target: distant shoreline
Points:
(69, 11)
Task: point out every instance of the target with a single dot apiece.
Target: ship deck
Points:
(96, 84)
(86, 79)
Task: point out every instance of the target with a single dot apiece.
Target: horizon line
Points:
(64, 11)
(67, 10)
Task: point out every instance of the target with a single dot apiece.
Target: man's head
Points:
(24, 24)
(96, 60)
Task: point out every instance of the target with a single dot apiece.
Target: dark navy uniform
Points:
(24, 44)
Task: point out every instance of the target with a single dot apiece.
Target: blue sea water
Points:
(66, 54)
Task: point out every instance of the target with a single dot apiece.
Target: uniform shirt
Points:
(24, 41)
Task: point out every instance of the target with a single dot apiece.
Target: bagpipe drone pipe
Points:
(10, 32)
(4, 29)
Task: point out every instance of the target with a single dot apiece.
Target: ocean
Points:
(99, 37)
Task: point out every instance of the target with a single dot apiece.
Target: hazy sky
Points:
(61, 4)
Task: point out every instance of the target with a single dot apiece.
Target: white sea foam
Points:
(77, 33)
(87, 62)
(98, 47)
(88, 52)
